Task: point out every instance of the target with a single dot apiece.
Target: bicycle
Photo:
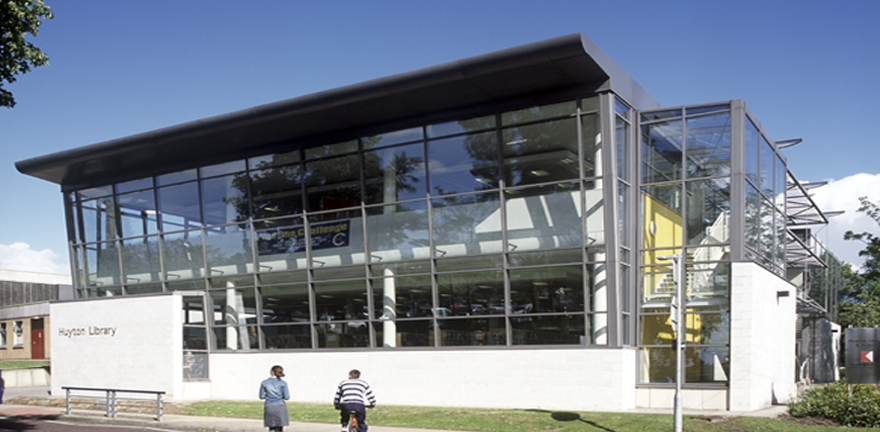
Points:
(352, 421)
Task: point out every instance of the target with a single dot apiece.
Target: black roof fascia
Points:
(546, 66)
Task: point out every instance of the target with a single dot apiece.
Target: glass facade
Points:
(547, 225)
(484, 231)
(685, 169)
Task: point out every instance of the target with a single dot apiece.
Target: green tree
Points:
(860, 293)
(17, 18)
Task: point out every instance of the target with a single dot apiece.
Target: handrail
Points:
(112, 402)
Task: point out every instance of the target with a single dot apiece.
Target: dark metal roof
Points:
(545, 66)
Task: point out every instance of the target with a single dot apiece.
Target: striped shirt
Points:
(354, 391)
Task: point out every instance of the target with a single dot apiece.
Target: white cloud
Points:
(19, 256)
(844, 195)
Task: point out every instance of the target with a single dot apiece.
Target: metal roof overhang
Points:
(546, 66)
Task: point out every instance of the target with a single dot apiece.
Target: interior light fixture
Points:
(539, 173)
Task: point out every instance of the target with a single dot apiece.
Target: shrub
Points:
(833, 401)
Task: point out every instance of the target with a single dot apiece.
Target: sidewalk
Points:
(225, 424)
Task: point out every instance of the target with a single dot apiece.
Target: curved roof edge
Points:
(552, 64)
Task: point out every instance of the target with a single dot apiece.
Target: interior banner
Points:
(293, 239)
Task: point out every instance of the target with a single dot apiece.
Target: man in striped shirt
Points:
(354, 394)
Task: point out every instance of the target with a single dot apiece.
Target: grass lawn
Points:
(507, 420)
(11, 364)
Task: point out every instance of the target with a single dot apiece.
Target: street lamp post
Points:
(676, 315)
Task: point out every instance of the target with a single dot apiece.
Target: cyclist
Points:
(354, 394)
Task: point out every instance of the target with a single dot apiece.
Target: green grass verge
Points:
(11, 364)
(506, 420)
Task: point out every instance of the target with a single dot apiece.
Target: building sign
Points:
(86, 331)
(293, 240)
(862, 346)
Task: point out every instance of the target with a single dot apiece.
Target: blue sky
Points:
(806, 69)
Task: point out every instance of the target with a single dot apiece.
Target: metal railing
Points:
(111, 401)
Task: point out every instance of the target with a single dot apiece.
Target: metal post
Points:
(159, 406)
(67, 402)
(676, 312)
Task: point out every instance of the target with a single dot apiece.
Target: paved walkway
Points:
(217, 424)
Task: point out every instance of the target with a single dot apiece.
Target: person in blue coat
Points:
(274, 391)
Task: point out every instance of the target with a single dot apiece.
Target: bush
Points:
(833, 401)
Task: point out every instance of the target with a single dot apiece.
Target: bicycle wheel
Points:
(352, 423)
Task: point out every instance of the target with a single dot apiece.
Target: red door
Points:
(38, 348)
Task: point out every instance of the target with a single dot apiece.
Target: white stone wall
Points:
(124, 342)
(762, 333)
(561, 379)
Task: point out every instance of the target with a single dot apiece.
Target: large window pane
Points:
(224, 199)
(708, 145)
(466, 225)
(410, 333)
(402, 297)
(338, 301)
(287, 337)
(177, 177)
(781, 177)
(233, 306)
(343, 335)
(329, 150)
(543, 217)
(235, 338)
(140, 259)
(708, 284)
(661, 216)
(179, 206)
(182, 253)
(540, 153)
(661, 152)
(552, 289)
(706, 364)
(621, 138)
(708, 211)
(767, 162)
(275, 159)
(592, 145)
(281, 244)
(463, 163)
(472, 332)
(395, 174)
(284, 304)
(99, 219)
(133, 185)
(137, 213)
(337, 239)
(752, 234)
(461, 126)
(539, 112)
(391, 138)
(234, 312)
(751, 153)
(333, 183)
(222, 168)
(548, 330)
(477, 293)
(277, 191)
(102, 264)
(229, 250)
(398, 231)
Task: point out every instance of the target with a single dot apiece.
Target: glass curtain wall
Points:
(484, 231)
(765, 188)
(685, 169)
